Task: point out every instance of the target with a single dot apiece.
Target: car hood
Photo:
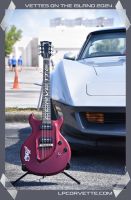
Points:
(110, 75)
(90, 82)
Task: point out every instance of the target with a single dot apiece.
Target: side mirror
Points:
(69, 56)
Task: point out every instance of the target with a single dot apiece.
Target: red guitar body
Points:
(49, 159)
(45, 152)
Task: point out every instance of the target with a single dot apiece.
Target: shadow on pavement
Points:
(22, 183)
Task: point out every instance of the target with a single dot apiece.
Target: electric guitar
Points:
(45, 151)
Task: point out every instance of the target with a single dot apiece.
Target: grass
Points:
(20, 114)
(15, 109)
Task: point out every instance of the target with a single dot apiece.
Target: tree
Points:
(11, 37)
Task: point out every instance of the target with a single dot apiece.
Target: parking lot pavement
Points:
(95, 170)
(28, 93)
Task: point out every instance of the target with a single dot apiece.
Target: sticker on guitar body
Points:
(27, 154)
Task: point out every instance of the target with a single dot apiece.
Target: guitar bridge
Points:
(45, 142)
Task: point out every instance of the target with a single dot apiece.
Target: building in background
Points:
(27, 48)
(66, 35)
(97, 22)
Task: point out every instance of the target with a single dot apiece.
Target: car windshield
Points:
(105, 44)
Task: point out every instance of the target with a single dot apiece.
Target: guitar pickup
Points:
(44, 145)
(45, 127)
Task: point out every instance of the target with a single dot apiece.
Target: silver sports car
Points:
(89, 91)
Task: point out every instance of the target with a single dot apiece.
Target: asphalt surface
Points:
(96, 170)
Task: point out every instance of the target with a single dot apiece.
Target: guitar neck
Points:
(46, 100)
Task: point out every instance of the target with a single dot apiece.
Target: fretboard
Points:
(46, 102)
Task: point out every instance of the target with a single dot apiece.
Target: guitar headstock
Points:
(45, 49)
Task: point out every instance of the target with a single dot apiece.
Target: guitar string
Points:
(43, 138)
(41, 154)
(48, 136)
(48, 65)
(46, 71)
(43, 109)
(46, 113)
(49, 109)
(51, 128)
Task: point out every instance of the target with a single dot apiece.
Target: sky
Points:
(33, 21)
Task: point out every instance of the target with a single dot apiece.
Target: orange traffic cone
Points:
(16, 81)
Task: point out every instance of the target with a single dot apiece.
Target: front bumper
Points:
(81, 133)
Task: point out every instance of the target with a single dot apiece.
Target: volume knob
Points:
(65, 149)
(60, 142)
